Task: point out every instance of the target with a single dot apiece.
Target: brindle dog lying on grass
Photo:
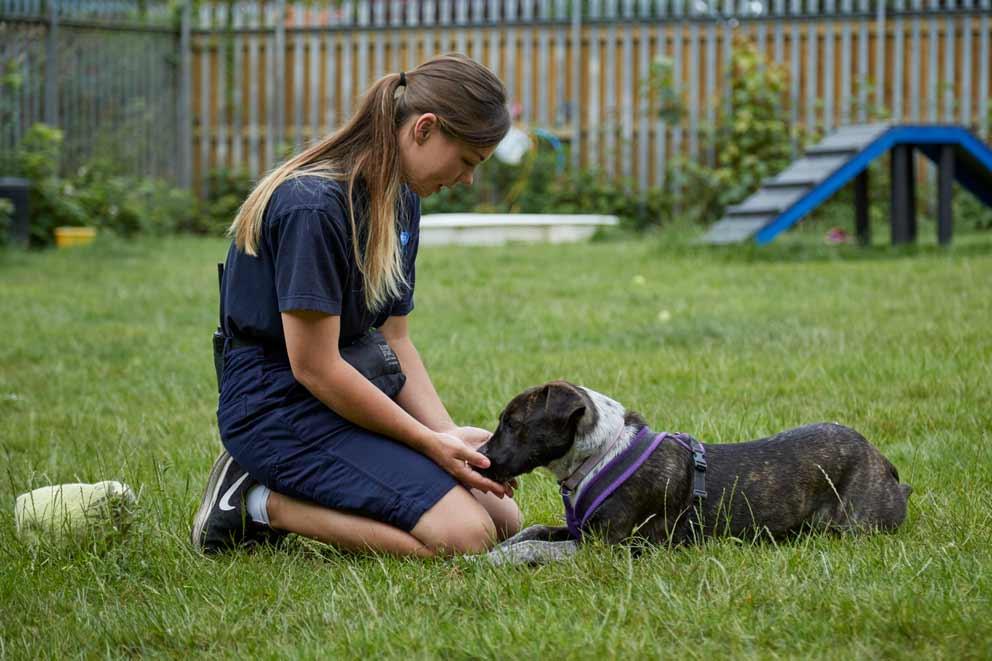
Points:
(821, 477)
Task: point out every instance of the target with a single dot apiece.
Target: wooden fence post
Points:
(279, 91)
(576, 82)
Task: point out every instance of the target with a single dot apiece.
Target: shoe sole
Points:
(210, 495)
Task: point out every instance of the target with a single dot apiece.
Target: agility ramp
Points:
(843, 157)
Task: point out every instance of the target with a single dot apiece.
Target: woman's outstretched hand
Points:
(474, 437)
(456, 456)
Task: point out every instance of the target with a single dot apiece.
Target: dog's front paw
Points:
(540, 533)
(532, 552)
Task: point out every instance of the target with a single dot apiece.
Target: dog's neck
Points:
(610, 426)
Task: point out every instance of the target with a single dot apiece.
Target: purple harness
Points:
(621, 467)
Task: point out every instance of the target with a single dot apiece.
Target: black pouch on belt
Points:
(372, 356)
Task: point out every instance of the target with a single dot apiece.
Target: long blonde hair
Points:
(470, 103)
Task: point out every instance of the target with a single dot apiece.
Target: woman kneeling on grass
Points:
(323, 251)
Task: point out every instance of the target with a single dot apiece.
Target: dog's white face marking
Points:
(609, 422)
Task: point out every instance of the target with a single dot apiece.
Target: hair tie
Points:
(398, 92)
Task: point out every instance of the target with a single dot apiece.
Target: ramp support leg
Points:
(903, 195)
(861, 225)
(945, 192)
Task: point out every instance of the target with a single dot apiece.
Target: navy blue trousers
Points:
(294, 444)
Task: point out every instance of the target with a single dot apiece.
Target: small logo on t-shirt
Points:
(404, 238)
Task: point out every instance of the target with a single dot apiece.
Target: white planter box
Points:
(493, 229)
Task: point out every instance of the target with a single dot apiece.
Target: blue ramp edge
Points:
(973, 170)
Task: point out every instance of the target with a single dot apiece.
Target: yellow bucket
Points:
(74, 236)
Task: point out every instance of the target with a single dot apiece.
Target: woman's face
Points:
(431, 160)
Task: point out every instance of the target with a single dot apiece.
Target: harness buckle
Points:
(699, 466)
(698, 487)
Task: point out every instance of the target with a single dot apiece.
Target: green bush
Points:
(228, 190)
(751, 143)
(130, 205)
(53, 201)
(98, 194)
(969, 212)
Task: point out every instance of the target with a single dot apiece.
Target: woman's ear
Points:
(425, 126)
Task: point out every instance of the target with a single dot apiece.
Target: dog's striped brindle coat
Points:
(818, 477)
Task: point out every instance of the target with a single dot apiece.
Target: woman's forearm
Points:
(342, 388)
(418, 397)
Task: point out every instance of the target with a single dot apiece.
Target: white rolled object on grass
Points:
(77, 512)
(493, 229)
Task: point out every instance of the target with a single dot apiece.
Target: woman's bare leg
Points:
(457, 523)
(340, 529)
(504, 512)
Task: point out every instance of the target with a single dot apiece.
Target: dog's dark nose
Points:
(496, 470)
(488, 473)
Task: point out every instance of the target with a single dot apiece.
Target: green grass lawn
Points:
(106, 373)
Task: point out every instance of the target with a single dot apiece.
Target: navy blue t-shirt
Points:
(306, 261)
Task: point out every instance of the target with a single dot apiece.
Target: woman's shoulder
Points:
(330, 196)
(308, 193)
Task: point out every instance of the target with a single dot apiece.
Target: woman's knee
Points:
(511, 520)
(456, 524)
(505, 514)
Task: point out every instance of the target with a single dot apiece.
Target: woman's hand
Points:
(457, 457)
(474, 437)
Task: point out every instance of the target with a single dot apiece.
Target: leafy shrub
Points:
(98, 194)
(52, 200)
(751, 142)
(129, 205)
(660, 85)
(970, 213)
(228, 190)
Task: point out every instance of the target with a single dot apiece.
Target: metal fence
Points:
(240, 83)
(104, 72)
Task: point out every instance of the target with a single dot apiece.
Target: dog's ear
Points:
(566, 403)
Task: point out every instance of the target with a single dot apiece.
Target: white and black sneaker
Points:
(222, 522)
